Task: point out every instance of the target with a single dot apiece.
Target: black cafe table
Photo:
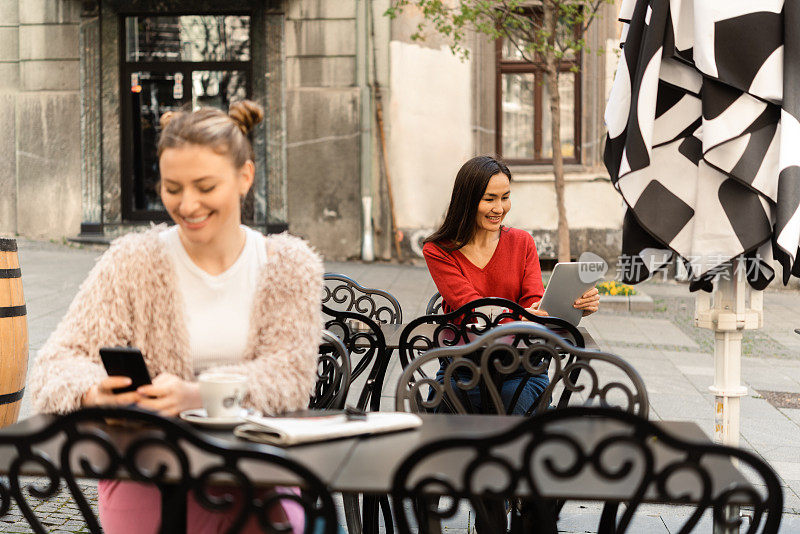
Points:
(371, 466)
(367, 464)
(324, 459)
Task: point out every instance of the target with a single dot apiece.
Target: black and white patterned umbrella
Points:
(703, 136)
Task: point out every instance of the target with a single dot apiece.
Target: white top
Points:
(217, 308)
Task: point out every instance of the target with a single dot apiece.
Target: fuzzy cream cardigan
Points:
(130, 298)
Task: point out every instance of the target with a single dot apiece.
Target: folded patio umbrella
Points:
(704, 139)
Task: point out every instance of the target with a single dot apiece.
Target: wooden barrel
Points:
(13, 334)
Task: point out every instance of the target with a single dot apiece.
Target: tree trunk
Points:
(550, 23)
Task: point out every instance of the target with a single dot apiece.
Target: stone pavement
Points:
(59, 515)
(674, 358)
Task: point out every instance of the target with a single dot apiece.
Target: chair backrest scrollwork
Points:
(594, 452)
(515, 349)
(160, 451)
(434, 304)
(343, 293)
(333, 374)
(469, 321)
(366, 343)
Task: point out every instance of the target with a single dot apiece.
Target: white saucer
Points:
(198, 417)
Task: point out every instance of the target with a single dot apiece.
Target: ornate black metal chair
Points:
(522, 350)
(343, 293)
(470, 321)
(592, 454)
(145, 447)
(333, 374)
(435, 304)
(366, 344)
(354, 314)
(464, 324)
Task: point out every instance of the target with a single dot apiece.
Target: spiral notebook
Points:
(296, 430)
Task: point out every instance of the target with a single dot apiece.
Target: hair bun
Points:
(168, 117)
(246, 114)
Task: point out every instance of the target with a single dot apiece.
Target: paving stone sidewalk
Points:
(674, 358)
(59, 514)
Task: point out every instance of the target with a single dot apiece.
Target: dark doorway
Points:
(172, 63)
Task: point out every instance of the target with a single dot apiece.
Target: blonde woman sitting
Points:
(205, 294)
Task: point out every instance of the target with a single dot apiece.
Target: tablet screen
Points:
(568, 282)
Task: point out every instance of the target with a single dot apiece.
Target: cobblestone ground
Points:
(59, 514)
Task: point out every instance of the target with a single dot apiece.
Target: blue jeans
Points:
(533, 388)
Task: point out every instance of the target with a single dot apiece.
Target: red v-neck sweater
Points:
(512, 273)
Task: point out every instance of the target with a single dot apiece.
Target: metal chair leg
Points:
(352, 512)
(608, 519)
(490, 516)
(369, 505)
(386, 511)
(539, 517)
(428, 523)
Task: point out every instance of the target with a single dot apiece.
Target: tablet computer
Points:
(568, 282)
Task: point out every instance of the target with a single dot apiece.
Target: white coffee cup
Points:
(222, 393)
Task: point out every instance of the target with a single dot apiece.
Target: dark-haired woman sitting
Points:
(472, 255)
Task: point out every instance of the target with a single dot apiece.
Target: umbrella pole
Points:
(729, 305)
(732, 308)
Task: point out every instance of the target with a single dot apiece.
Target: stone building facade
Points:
(40, 171)
(445, 110)
(82, 83)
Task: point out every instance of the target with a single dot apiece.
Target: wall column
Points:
(48, 112)
(91, 112)
(276, 186)
(9, 88)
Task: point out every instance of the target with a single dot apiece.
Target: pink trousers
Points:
(135, 508)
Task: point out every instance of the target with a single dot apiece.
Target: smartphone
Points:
(125, 361)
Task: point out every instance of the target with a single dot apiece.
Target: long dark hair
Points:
(470, 185)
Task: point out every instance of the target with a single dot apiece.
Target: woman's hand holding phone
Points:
(102, 393)
(169, 395)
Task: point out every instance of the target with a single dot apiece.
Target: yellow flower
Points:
(611, 287)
